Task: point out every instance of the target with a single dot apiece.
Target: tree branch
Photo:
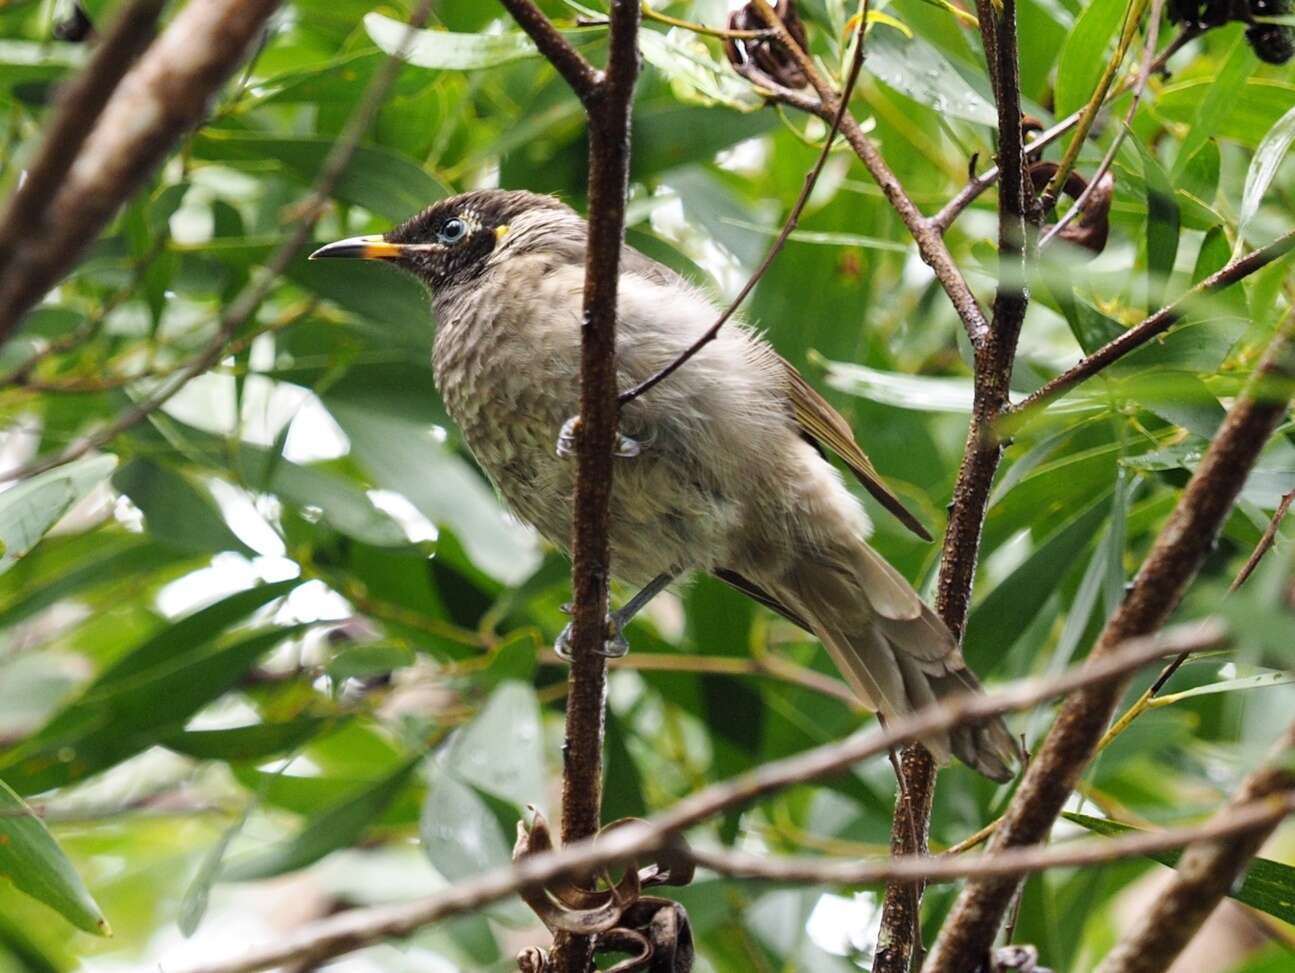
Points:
(79, 104)
(1173, 562)
(608, 99)
(583, 78)
(1156, 324)
(901, 920)
(333, 937)
(1240, 821)
(1206, 872)
(165, 94)
(248, 301)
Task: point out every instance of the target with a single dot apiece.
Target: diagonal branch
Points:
(80, 102)
(164, 95)
(242, 308)
(583, 78)
(1206, 872)
(354, 930)
(1175, 558)
(1156, 324)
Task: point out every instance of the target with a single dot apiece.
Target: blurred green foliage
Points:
(285, 627)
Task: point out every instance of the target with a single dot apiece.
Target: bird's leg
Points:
(625, 447)
(615, 646)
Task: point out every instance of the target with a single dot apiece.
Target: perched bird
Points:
(720, 468)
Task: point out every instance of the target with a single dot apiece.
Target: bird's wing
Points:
(756, 593)
(824, 426)
(819, 422)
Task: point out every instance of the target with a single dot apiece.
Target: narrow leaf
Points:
(33, 861)
(1263, 167)
(1267, 885)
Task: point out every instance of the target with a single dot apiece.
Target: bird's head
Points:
(454, 240)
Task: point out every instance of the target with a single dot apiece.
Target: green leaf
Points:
(1163, 224)
(24, 62)
(31, 859)
(378, 179)
(446, 50)
(1267, 885)
(1215, 104)
(146, 695)
(175, 512)
(1084, 57)
(696, 76)
(1009, 608)
(335, 827)
(401, 454)
(32, 507)
(253, 742)
(501, 752)
(915, 68)
(1259, 681)
(1263, 167)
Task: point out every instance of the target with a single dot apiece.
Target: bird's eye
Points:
(452, 232)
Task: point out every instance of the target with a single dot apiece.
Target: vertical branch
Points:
(607, 97)
(1173, 562)
(900, 937)
(1204, 875)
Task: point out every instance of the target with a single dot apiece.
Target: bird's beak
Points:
(363, 247)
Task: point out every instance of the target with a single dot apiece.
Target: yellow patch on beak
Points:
(502, 231)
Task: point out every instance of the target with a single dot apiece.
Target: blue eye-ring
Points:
(452, 232)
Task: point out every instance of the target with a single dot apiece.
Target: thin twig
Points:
(245, 305)
(769, 666)
(930, 244)
(583, 78)
(362, 927)
(1156, 324)
(1175, 558)
(1265, 542)
(976, 185)
(727, 33)
(79, 103)
(1089, 113)
(1148, 57)
(788, 227)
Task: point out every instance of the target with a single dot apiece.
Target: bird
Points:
(721, 468)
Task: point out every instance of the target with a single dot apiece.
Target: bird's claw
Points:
(625, 448)
(615, 645)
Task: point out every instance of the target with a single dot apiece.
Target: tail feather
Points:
(894, 664)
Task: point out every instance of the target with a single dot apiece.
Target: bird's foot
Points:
(625, 448)
(614, 645)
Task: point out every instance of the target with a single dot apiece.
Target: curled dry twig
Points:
(1092, 201)
(653, 930)
(762, 59)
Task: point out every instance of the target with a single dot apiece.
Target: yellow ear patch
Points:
(502, 231)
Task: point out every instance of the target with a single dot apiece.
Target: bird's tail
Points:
(892, 649)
